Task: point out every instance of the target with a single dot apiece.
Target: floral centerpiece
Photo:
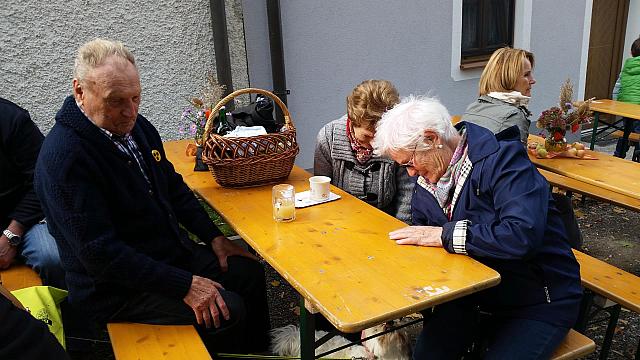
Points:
(568, 115)
(194, 117)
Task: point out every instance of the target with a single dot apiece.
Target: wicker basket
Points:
(254, 160)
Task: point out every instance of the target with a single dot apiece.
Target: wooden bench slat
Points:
(574, 346)
(143, 341)
(590, 190)
(633, 136)
(19, 277)
(609, 281)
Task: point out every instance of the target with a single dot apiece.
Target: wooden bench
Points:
(632, 136)
(590, 190)
(574, 346)
(612, 283)
(609, 281)
(142, 341)
(19, 277)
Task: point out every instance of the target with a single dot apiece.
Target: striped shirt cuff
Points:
(460, 237)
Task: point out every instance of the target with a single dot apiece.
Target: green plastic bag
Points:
(43, 303)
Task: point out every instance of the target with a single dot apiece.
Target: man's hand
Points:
(223, 248)
(205, 300)
(7, 252)
(418, 235)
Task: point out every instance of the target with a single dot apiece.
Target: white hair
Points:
(402, 127)
(94, 53)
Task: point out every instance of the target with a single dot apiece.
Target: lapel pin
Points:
(156, 155)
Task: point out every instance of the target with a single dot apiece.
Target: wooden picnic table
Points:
(612, 107)
(338, 255)
(607, 172)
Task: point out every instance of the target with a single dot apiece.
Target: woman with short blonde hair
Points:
(505, 90)
(344, 153)
(503, 70)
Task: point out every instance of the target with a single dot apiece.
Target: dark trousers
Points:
(245, 296)
(622, 146)
(24, 337)
(453, 327)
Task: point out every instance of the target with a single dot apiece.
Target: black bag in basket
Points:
(258, 113)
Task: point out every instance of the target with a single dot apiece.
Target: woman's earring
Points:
(439, 146)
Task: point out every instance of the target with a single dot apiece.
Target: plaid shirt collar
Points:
(125, 143)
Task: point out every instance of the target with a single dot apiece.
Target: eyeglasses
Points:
(411, 163)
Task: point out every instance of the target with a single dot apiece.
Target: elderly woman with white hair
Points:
(479, 195)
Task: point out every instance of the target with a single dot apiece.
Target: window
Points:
(487, 25)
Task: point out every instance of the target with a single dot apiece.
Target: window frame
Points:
(484, 51)
(521, 38)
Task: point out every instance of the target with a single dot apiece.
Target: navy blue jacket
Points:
(20, 142)
(117, 235)
(515, 228)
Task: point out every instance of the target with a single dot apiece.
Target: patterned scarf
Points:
(362, 153)
(443, 189)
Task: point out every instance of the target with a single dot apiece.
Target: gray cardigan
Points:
(379, 182)
(497, 115)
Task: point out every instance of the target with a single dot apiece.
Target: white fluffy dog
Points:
(391, 346)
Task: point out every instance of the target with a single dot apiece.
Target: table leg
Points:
(614, 313)
(585, 310)
(596, 117)
(307, 332)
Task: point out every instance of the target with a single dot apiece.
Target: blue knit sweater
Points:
(117, 234)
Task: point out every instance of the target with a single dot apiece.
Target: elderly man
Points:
(115, 205)
(22, 233)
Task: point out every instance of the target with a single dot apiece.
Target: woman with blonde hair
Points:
(343, 152)
(505, 90)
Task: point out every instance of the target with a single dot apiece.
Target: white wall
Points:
(633, 27)
(332, 45)
(171, 40)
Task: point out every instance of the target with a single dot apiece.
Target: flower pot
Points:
(555, 140)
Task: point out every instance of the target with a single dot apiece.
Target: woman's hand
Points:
(418, 235)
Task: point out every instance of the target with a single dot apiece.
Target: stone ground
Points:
(610, 233)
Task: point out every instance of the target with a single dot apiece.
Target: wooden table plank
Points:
(19, 277)
(338, 255)
(614, 107)
(151, 342)
(608, 172)
(593, 191)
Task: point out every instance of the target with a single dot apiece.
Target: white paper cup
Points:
(319, 186)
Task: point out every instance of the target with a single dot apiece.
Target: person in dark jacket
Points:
(22, 336)
(479, 195)
(114, 204)
(23, 233)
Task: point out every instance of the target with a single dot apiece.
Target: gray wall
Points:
(172, 42)
(332, 45)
